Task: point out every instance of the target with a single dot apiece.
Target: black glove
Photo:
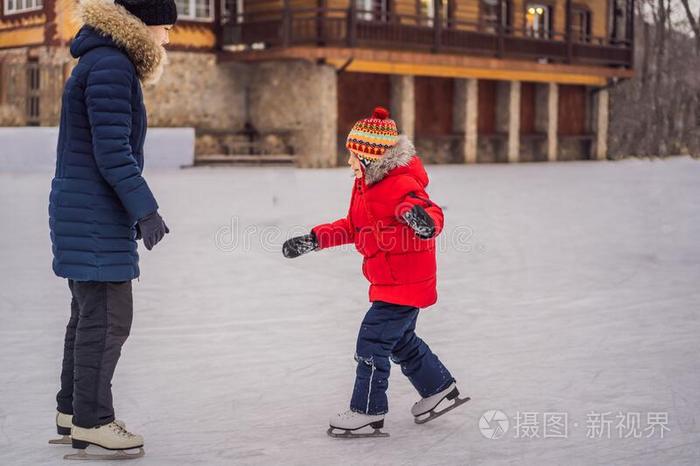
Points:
(152, 229)
(422, 223)
(295, 247)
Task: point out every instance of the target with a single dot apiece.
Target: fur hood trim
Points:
(129, 33)
(398, 156)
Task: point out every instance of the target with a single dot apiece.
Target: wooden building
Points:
(469, 80)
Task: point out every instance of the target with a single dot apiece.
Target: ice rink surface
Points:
(569, 302)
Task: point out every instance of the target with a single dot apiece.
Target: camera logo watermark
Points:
(494, 424)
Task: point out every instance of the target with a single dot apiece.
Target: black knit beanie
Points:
(151, 12)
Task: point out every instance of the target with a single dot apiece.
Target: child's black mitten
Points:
(295, 247)
(421, 222)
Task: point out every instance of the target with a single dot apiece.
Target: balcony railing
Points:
(356, 28)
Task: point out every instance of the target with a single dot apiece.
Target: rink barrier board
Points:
(28, 149)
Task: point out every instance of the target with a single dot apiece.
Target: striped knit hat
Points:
(371, 137)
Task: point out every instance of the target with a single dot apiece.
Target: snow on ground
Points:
(564, 288)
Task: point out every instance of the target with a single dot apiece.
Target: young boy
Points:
(393, 224)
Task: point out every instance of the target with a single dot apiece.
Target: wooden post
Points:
(471, 132)
(614, 32)
(630, 33)
(286, 24)
(569, 42)
(218, 26)
(437, 25)
(321, 22)
(601, 121)
(352, 24)
(552, 121)
(499, 29)
(514, 121)
(403, 103)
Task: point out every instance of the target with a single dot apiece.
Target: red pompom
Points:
(380, 113)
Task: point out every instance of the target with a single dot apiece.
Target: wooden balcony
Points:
(352, 28)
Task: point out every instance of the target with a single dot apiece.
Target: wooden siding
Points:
(433, 102)
(572, 111)
(486, 123)
(22, 29)
(528, 107)
(358, 94)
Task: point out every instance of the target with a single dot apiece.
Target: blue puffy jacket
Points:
(98, 192)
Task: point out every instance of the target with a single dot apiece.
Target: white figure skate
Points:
(112, 436)
(426, 409)
(347, 425)
(64, 422)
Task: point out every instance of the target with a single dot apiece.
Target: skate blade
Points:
(116, 455)
(65, 440)
(345, 433)
(432, 414)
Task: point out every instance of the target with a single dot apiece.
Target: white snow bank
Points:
(33, 149)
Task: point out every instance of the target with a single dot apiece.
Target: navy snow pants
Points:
(388, 331)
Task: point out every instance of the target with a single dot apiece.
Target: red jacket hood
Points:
(399, 160)
(414, 169)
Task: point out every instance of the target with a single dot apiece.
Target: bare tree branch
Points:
(693, 24)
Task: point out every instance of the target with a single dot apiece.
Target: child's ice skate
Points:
(112, 436)
(426, 409)
(64, 422)
(346, 425)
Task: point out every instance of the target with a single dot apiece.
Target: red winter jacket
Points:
(400, 266)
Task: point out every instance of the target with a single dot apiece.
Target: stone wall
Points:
(574, 148)
(54, 64)
(492, 148)
(194, 90)
(295, 101)
(299, 98)
(533, 148)
(13, 82)
(438, 150)
(197, 91)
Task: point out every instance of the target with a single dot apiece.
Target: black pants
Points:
(100, 321)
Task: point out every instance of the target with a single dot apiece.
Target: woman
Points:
(100, 205)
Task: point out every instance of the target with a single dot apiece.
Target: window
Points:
(618, 20)
(201, 10)
(580, 24)
(33, 92)
(373, 10)
(231, 11)
(489, 14)
(20, 6)
(538, 20)
(426, 10)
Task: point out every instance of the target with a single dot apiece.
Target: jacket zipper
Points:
(374, 226)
